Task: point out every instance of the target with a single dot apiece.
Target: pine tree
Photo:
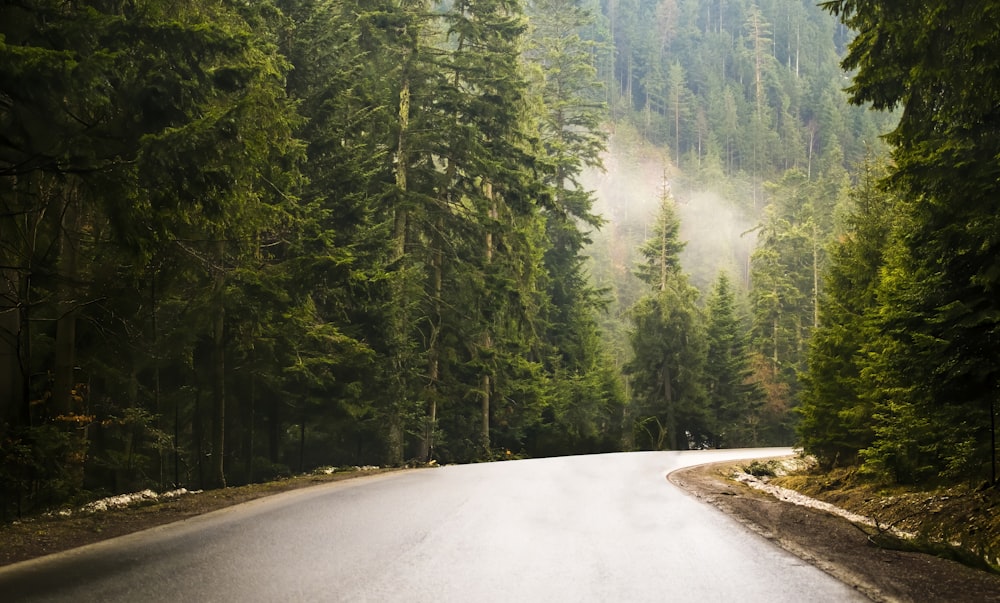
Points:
(733, 398)
(836, 411)
(668, 343)
(173, 130)
(565, 87)
(938, 360)
(786, 286)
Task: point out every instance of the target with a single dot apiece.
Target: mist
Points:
(717, 231)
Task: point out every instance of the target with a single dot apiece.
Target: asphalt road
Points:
(588, 528)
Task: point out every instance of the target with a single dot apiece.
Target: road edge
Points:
(709, 483)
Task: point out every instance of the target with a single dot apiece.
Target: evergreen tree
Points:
(583, 402)
(733, 398)
(174, 135)
(668, 343)
(321, 289)
(937, 360)
(786, 285)
(836, 411)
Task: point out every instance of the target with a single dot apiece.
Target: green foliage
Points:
(928, 370)
(668, 344)
(836, 412)
(745, 100)
(734, 399)
(270, 236)
(754, 85)
(662, 250)
(39, 469)
(666, 372)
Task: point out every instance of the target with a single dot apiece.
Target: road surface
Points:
(576, 529)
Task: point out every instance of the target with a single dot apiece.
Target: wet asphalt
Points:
(607, 528)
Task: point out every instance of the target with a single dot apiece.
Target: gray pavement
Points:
(575, 529)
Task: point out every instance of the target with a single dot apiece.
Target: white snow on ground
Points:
(331, 470)
(118, 501)
(802, 500)
(124, 500)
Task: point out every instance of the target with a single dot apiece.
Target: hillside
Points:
(736, 110)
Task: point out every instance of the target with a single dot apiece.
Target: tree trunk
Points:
(774, 337)
(65, 343)
(64, 405)
(757, 58)
(253, 426)
(13, 394)
(302, 445)
(274, 431)
(815, 267)
(218, 473)
(677, 125)
(487, 344)
(14, 409)
(434, 348)
(158, 412)
(123, 472)
(484, 438)
(668, 399)
(397, 390)
(198, 435)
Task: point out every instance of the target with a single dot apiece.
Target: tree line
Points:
(240, 240)
(740, 100)
(870, 294)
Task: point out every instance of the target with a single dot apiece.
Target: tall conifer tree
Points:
(668, 342)
(938, 359)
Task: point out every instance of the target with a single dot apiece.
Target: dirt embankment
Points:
(838, 546)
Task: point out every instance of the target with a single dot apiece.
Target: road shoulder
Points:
(836, 546)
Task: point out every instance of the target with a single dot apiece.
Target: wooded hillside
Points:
(735, 111)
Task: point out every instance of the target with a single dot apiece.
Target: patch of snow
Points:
(804, 501)
(118, 501)
(125, 500)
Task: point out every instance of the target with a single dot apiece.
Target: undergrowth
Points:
(956, 522)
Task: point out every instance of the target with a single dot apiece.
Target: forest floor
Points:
(787, 515)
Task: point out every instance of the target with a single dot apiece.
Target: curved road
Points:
(586, 528)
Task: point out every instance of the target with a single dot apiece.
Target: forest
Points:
(244, 240)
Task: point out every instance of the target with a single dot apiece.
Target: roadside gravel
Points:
(837, 546)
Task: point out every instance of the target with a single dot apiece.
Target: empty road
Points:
(575, 529)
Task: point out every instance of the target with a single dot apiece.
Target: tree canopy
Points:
(928, 375)
(239, 241)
